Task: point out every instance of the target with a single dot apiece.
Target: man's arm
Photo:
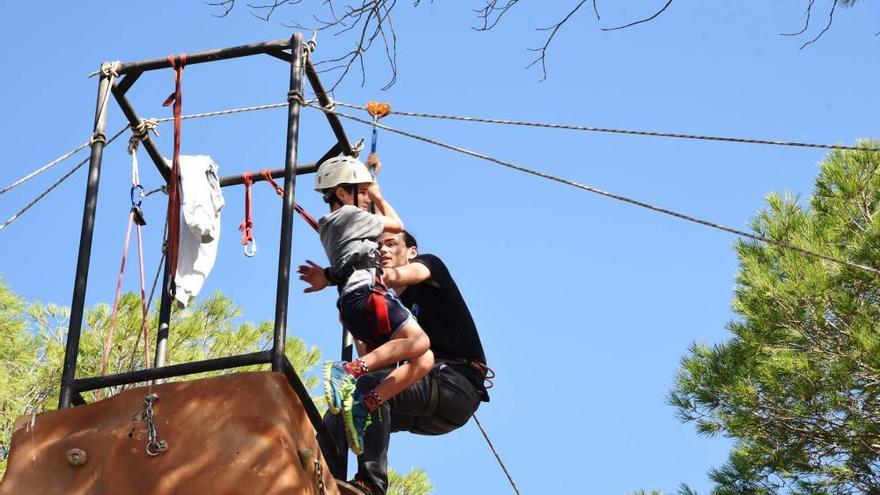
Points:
(411, 274)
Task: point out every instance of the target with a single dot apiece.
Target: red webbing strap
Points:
(378, 306)
(108, 340)
(247, 225)
(177, 63)
(267, 174)
(144, 308)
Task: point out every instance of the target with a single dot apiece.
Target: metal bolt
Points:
(77, 457)
(305, 457)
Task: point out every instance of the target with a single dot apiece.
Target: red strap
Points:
(267, 174)
(144, 308)
(177, 63)
(305, 216)
(247, 225)
(378, 306)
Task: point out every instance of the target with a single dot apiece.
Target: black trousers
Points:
(441, 401)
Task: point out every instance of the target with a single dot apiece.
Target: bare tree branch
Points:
(226, 5)
(542, 57)
(368, 21)
(631, 24)
(491, 7)
(806, 23)
(270, 8)
(827, 26)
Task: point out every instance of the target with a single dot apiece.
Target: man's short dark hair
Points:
(409, 240)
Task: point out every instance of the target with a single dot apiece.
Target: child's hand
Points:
(375, 192)
(313, 275)
(373, 163)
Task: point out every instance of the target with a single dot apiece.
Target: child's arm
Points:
(390, 220)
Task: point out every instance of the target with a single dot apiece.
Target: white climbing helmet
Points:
(341, 170)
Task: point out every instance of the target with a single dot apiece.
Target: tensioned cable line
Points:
(56, 184)
(44, 168)
(631, 132)
(618, 197)
(466, 119)
(498, 457)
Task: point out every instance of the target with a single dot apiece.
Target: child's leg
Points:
(407, 343)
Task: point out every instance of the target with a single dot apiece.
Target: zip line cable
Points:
(446, 117)
(631, 132)
(618, 197)
(44, 168)
(56, 184)
(500, 462)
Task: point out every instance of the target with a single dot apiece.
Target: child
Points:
(372, 313)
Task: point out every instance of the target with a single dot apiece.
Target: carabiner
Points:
(250, 248)
(140, 195)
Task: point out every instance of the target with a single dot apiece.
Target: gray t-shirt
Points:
(350, 232)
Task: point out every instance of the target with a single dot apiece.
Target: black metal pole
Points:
(325, 101)
(99, 138)
(222, 363)
(133, 120)
(294, 97)
(164, 318)
(205, 56)
(277, 173)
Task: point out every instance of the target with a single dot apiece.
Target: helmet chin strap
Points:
(353, 190)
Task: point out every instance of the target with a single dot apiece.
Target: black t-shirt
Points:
(442, 313)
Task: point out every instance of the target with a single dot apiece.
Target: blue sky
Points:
(585, 305)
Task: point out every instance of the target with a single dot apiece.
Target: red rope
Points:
(177, 63)
(267, 174)
(247, 225)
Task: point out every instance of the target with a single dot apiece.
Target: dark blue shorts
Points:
(361, 322)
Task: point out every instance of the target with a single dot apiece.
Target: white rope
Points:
(45, 167)
(618, 197)
(56, 184)
(631, 132)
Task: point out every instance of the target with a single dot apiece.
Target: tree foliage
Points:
(416, 482)
(798, 383)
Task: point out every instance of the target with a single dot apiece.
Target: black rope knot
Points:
(295, 97)
(98, 137)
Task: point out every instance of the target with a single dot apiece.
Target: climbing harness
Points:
(378, 307)
(155, 445)
(247, 225)
(177, 63)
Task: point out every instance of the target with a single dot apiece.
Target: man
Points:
(450, 394)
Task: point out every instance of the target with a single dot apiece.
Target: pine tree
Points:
(797, 386)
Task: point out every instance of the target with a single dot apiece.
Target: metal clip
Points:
(137, 195)
(250, 248)
(155, 445)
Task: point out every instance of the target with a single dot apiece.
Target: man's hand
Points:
(313, 275)
(373, 163)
